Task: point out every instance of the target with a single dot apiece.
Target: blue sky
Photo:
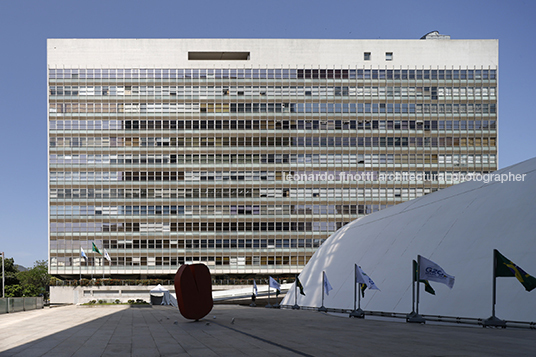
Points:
(25, 26)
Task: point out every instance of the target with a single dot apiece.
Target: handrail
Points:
(435, 318)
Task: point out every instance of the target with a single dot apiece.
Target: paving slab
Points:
(243, 331)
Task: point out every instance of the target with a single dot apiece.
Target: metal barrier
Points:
(435, 318)
(15, 304)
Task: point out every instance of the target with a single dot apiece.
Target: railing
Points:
(15, 304)
(435, 318)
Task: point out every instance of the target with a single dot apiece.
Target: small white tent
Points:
(167, 298)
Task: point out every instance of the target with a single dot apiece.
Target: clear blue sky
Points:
(25, 26)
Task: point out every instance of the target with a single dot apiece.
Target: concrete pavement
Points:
(242, 331)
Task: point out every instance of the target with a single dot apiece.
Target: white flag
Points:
(83, 254)
(274, 284)
(107, 256)
(362, 278)
(428, 270)
(255, 288)
(327, 285)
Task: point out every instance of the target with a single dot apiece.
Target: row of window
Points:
(196, 176)
(258, 73)
(318, 226)
(272, 124)
(274, 91)
(239, 159)
(135, 243)
(337, 108)
(294, 142)
(174, 261)
(276, 210)
(238, 192)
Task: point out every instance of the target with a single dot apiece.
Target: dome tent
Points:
(162, 296)
(458, 228)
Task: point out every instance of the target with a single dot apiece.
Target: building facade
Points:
(245, 154)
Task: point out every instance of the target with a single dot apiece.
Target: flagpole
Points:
(269, 306)
(418, 285)
(323, 308)
(493, 320)
(357, 313)
(414, 315)
(494, 299)
(413, 286)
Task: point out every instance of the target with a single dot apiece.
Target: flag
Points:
(274, 284)
(255, 291)
(299, 285)
(83, 254)
(432, 272)
(107, 256)
(362, 278)
(95, 249)
(505, 267)
(327, 285)
(427, 287)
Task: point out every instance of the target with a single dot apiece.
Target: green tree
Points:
(14, 290)
(11, 272)
(36, 280)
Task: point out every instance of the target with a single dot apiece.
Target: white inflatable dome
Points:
(457, 228)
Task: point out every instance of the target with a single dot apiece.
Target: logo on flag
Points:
(428, 270)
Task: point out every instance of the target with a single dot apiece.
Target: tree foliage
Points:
(32, 282)
(35, 281)
(11, 271)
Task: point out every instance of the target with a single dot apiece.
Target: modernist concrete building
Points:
(245, 154)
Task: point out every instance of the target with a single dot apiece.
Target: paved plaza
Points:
(242, 331)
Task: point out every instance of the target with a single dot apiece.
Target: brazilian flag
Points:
(95, 249)
(505, 267)
(299, 285)
(427, 287)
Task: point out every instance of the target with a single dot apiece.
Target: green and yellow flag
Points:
(95, 249)
(505, 267)
(427, 287)
(300, 286)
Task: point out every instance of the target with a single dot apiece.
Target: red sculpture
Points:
(193, 286)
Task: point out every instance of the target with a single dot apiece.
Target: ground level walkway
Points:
(242, 331)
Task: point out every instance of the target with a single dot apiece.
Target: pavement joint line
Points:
(264, 340)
